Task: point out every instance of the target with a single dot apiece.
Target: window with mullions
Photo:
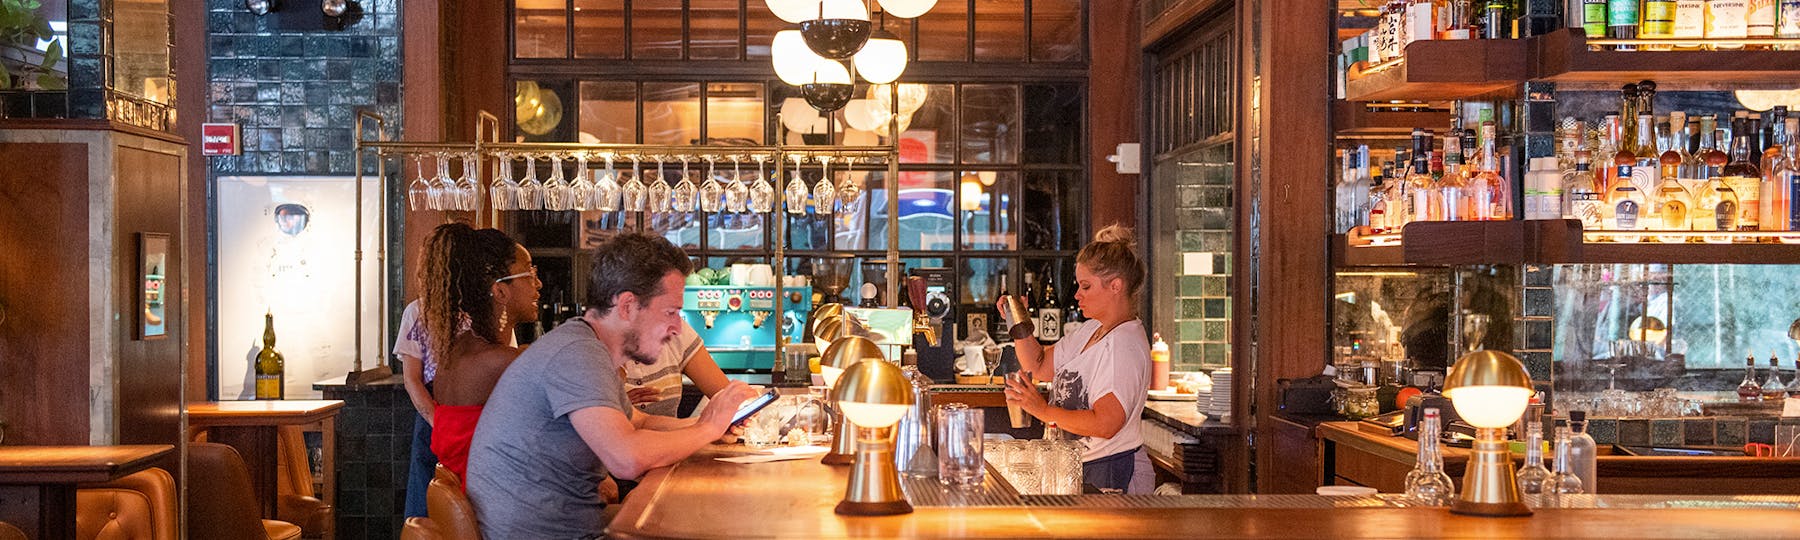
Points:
(984, 31)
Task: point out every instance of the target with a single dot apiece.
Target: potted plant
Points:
(22, 25)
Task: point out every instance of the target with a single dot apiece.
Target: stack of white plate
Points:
(1203, 399)
(1219, 401)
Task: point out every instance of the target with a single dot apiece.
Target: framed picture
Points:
(153, 267)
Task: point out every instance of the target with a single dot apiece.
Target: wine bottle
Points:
(1049, 316)
(271, 368)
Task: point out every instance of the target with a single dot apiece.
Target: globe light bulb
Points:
(794, 11)
(864, 115)
(797, 115)
(907, 9)
(794, 61)
(844, 9)
(882, 59)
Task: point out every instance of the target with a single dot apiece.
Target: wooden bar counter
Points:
(704, 498)
(1355, 457)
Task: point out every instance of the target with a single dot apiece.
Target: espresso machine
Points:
(739, 324)
(933, 303)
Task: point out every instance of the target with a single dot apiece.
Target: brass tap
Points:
(757, 318)
(710, 316)
(921, 324)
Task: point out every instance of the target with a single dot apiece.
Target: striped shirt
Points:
(665, 374)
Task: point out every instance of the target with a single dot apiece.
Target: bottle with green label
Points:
(1622, 22)
(1658, 22)
(1593, 18)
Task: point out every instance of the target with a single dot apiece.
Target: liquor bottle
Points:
(1749, 390)
(1658, 23)
(1744, 177)
(1680, 138)
(1421, 20)
(1772, 388)
(1453, 20)
(1777, 196)
(1363, 187)
(1582, 454)
(1050, 316)
(1562, 481)
(1543, 189)
(1760, 21)
(1496, 201)
(1690, 22)
(1727, 19)
(1029, 297)
(1611, 137)
(1419, 184)
(1622, 21)
(1693, 169)
(1496, 20)
(1427, 484)
(1531, 477)
(1628, 114)
(1715, 206)
(1159, 363)
(1453, 197)
(1585, 202)
(1647, 171)
(1593, 18)
(1072, 320)
(271, 368)
(1787, 24)
(1378, 206)
(1625, 202)
(1672, 204)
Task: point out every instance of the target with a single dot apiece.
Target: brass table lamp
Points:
(873, 395)
(1489, 389)
(843, 353)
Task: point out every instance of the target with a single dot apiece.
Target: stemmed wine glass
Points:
(581, 191)
(659, 190)
(531, 191)
(634, 191)
(418, 193)
(711, 193)
(469, 189)
(442, 195)
(681, 197)
(736, 193)
(606, 188)
(504, 192)
(556, 190)
(796, 190)
(824, 193)
(762, 194)
(849, 192)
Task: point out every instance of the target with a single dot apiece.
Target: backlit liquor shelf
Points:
(1469, 69)
(1445, 243)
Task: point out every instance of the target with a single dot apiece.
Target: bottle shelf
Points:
(1442, 70)
(1352, 119)
(1564, 56)
(1447, 243)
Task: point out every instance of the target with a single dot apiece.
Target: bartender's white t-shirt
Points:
(1118, 364)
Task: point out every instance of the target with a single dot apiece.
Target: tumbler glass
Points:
(959, 430)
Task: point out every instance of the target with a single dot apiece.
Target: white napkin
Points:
(784, 453)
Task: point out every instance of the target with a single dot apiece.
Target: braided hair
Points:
(461, 264)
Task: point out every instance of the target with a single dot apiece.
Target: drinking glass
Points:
(504, 192)
(1787, 441)
(996, 453)
(606, 188)
(766, 428)
(681, 196)
(442, 194)
(796, 194)
(418, 193)
(849, 192)
(824, 193)
(659, 190)
(469, 189)
(762, 193)
(581, 191)
(634, 192)
(1022, 466)
(812, 416)
(712, 194)
(737, 195)
(556, 190)
(531, 191)
(1061, 467)
(959, 430)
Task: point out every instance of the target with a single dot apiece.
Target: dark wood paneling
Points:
(43, 287)
(1113, 107)
(1284, 222)
(148, 372)
(1299, 451)
(190, 72)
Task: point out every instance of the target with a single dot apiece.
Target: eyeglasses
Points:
(532, 273)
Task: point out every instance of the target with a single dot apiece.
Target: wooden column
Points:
(1113, 110)
(1283, 260)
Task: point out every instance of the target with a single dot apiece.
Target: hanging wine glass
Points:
(504, 192)
(531, 191)
(606, 188)
(762, 194)
(442, 195)
(796, 191)
(581, 191)
(556, 190)
(417, 191)
(659, 189)
(636, 195)
(681, 197)
(468, 191)
(824, 193)
(736, 193)
(712, 195)
(849, 193)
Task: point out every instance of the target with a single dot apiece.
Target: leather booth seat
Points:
(139, 506)
(221, 501)
(451, 515)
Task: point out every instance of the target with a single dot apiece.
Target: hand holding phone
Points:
(752, 406)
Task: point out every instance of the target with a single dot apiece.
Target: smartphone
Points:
(755, 404)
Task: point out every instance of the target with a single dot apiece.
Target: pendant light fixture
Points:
(906, 9)
(840, 31)
(794, 11)
(830, 87)
(882, 59)
(794, 61)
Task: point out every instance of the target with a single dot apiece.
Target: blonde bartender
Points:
(1098, 372)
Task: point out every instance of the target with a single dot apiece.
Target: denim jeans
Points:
(424, 465)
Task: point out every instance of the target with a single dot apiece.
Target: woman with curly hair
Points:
(478, 285)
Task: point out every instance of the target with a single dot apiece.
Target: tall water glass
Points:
(959, 429)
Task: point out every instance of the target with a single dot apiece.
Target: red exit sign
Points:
(219, 140)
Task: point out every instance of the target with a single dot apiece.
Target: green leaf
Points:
(5, 80)
(50, 81)
(41, 26)
(52, 55)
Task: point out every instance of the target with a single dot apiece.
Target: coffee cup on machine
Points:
(1017, 319)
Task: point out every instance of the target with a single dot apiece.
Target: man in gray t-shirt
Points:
(559, 418)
